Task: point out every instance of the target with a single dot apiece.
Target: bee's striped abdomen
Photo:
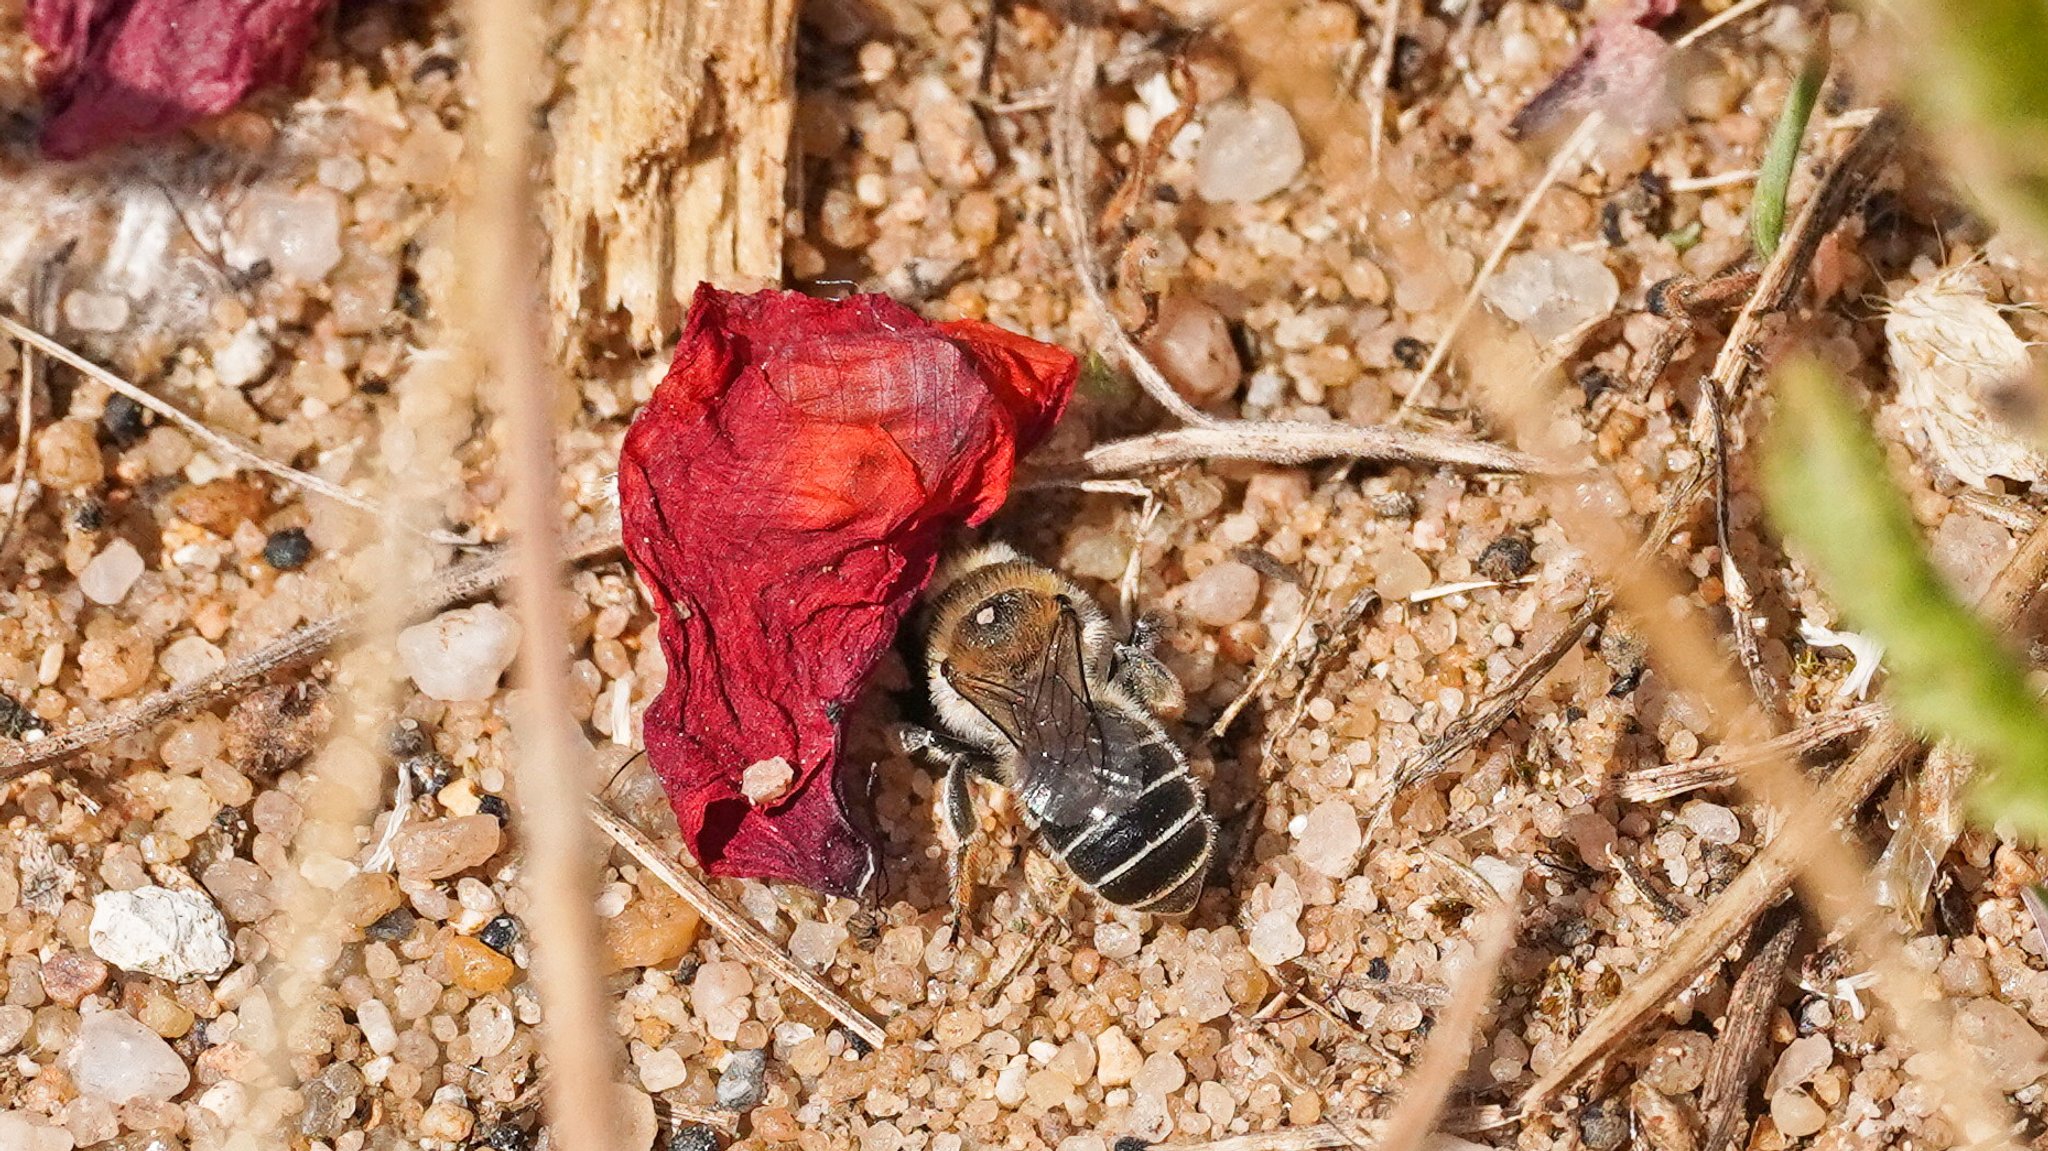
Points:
(1150, 856)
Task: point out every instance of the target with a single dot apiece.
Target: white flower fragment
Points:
(1866, 655)
(1952, 353)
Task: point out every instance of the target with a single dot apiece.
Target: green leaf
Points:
(1975, 71)
(1767, 210)
(1828, 491)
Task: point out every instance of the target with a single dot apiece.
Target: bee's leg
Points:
(965, 843)
(1136, 670)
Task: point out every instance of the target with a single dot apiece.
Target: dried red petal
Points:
(119, 70)
(785, 494)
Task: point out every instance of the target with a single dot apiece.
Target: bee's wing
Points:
(1070, 774)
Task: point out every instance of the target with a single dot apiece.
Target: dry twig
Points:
(1720, 767)
(506, 321)
(1733, 1065)
(1289, 442)
(746, 939)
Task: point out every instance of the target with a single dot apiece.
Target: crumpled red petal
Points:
(785, 494)
(120, 70)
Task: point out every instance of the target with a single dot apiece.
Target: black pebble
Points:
(287, 550)
(396, 925)
(494, 805)
(1376, 968)
(16, 720)
(87, 514)
(855, 1043)
(1129, 1143)
(693, 1137)
(500, 934)
(122, 420)
(1506, 558)
(506, 1137)
(1411, 353)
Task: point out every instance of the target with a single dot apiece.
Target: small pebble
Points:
(96, 311)
(1711, 822)
(1331, 839)
(331, 1098)
(696, 1137)
(1191, 343)
(443, 847)
(1117, 1059)
(287, 549)
(1411, 353)
(118, 1059)
(1506, 558)
(123, 420)
(1223, 594)
(457, 656)
(719, 996)
(633, 1112)
(246, 358)
(744, 1080)
(500, 934)
(1796, 1115)
(1801, 1060)
(475, 968)
(2013, 1050)
(1250, 149)
(29, 1131)
(70, 976)
(765, 781)
(171, 934)
(393, 926)
(650, 933)
(1550, 293)
(108, 575)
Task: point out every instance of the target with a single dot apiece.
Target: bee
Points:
(1034, 693)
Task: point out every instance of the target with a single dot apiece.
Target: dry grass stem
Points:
(1425, 1089)
(1288, 442)
(746, 939)
(1743, 621)
(1721, 767)
(1282, 651)
(471, 579)
(226, 445)
(1566, 161)
(1382, 82)
(505, 320)
(1072, 155)
(1733, 1067)
(1311, 1137)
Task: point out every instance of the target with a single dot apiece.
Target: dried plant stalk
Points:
(1724, 1098)
(1720, 767)
(505, 321)
(670, 158)
(1289, 442)
(747, 939)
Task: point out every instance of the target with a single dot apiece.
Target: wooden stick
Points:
(1292, 442)
(748, 940)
